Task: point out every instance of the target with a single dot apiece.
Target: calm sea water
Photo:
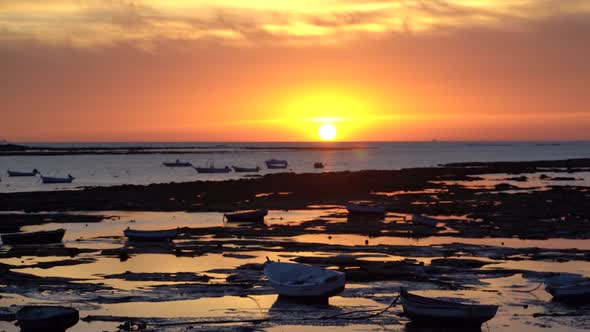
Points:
(107, 170)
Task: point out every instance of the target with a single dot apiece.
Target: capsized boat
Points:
(17, 173)
(40, 237)
(569, 288)
(304, 281)
(48, 179)
(239, 169)
(424, 220)
(243, 216)
(210, 168)
(156, 235)
(434, 312)
(354, 208)
(276, 164)
(46, 318)
(177, 163)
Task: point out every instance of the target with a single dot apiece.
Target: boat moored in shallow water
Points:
(34, 172)
(365, 209)
(276, 164)
(245, 216)
(210, 168)
(177, 163)
(569, 288)
(156, 235)
(318, 165)
(434, 312)
(239, 169)
(48, 179)
(46, 318)
(40, 237)
(304, 281)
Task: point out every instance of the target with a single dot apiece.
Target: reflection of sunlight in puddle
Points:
(291, 217)
(534, 182)
(577, 267)
(410, 192)
(358, 240)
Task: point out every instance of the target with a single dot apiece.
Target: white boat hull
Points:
(304, 281)
(435, 312)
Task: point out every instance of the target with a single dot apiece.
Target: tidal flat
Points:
(503, 229)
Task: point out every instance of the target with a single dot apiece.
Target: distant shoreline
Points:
(25, 150)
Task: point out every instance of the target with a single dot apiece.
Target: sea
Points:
(140, 169)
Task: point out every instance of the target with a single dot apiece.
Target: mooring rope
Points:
(529, 291)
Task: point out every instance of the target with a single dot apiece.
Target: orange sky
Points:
(276, 70)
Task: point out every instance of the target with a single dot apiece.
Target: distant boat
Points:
(210, 168)
(428, 221)
(159, 235)
(276, 164)
(434, 312)
(365, 209)
(304, 281)
(569, 289)
(47, 179)
(318, 165)
(177, 163)
(16, 173)
(40, 237)
(46, 318)
(254, 215)
(239, 169)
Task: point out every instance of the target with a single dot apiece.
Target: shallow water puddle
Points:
(357, 240)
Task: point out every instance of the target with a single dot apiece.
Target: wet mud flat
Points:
(524, 199)
(498, 237)
(207, 280)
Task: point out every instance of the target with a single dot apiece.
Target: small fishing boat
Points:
(46, 318)
(40, 237)
(303, 281)
(434, 312)
(239, 169)
(569, 288)
(428, 221)
(16, 173)
(177, 163)
(276, 164)
(318, 165)
(47, 179)
(243, 216)
(158, 235)
(363, 209)
(210, 168)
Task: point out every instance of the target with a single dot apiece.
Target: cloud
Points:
(103, 69)
(93, 23)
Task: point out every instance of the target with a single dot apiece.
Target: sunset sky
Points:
(276, 70)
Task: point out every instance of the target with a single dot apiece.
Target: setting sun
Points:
(327, 131)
